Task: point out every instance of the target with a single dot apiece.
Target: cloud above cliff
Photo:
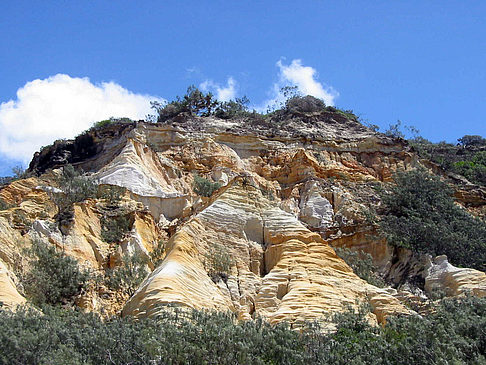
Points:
(62, 106)
(222, 93)
(305, 78)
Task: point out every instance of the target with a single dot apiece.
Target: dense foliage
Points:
(54, 278)
(106, 122)
(473, 169)
(420, 213)
(455, 333)
(196, 102)
(4, 205)
(467, 159)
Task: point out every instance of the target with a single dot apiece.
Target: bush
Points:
(159, 252)
(3, 205)
(474, 170)
(233, 108)
(114, 228)
(304, 104)
(472, 140)
(218, 262)
(129, 275)
(195, 102)
(75, 188)
(103, 123)
(204, 187)
(453, 335)
(112, 194)
(465, 160)
(54, 278)
(362, 265)
(420, 214)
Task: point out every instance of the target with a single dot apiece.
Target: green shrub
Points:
(304, 104)
(112, 194)
(362, 265)
(420, 214)
(114, 228)
(218, 262)
(103, 123)
(54, 278)
(465, 160)
(18, 173)
(129, 275)
(75, 188)
(4, 205)
(204, 187)
(194, 102)
(472, 140)
(454, 334)
(232, 108)
(474, 170)
(158, 253)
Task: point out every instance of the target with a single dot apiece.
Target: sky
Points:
(66, 64)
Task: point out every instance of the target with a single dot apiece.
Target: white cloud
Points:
(305, 78)
(62, 107)
(223, 93)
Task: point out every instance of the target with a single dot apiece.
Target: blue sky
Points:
(422, 62)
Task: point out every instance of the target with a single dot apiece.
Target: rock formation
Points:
(290, 191)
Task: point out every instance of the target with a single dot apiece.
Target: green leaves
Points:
(129, 275)
(204, 187)
(362, 265)
(195, 102)
(455, 333)
(420, 214)
(54, 278)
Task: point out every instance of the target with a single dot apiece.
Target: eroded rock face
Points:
(291, 189)
(281, 271)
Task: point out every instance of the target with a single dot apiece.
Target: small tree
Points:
(232, 108)
(114, 228)
(194, 102)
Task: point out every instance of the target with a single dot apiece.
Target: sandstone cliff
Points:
(291, 190)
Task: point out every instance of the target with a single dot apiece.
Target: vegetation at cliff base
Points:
(454, 334)
(53, 278)
(420, 214)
